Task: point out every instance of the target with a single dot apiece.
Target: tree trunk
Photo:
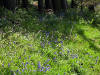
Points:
(40, 5)
(24, 3)
(10, 4)
(73, 4)
(64, 4)
(91, 8)
(48, 4)
(1, 3)
(56, 5)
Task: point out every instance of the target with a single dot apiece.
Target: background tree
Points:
(40, 5)
(56, 5)
(24, 3)
(10, 4)
(64, 4)
(48, 4)
(73, 4)
(1, 3)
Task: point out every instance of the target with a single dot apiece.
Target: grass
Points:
(33, 44)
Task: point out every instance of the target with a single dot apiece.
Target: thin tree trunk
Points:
(1, 3)
(24, 3)
(64, 4)
(11, 4)
(91, 8)
(73, 4)
(48, 4)
(40, 5)
(56, 5)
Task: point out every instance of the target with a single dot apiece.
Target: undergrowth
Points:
(34, 44)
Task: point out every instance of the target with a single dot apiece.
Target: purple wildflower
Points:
(34, 70)
(8, 64)
(48, 65)
(39, 65)
(74, 56)
(60, 52)
(47, 69)
(47, 34)
(55, 53)
(17, 70)
(68, 51)
(14, 42)
(49, 43)
(26, 62)
(23, 63)
(20, 57)
(54, 58)
(61, 41)
(23, 70)
(42, 68)
(3, 65)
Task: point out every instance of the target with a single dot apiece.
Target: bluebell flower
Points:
(97, 57)
(25, 58)
(34, 70)
(20, 57)
(49, 43)
(60, 52)
(47, 34)
(61, 41)
(90, 56)
(39, 65)
(47, 65)
(26, 65)
(26, 62)
(22, 63)
(17, 70)
(54, 58)
(68, 51)
(30, 45)
(14, 42)
(45, 70)
(42, 68)
(80, 66)
(43, 44)
(47, 61)
(23, 70)
(8, 64)
(55, 53)
(3, 65)
(74, 56)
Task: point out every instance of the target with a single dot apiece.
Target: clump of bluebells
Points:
(44, 67)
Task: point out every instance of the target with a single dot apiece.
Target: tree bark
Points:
(10, 4)
(48, 4)
(91, 8)
(40, 5)
(73, 4)
(64, 4)
(1, 3)
(24, 3)
(56, 5)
